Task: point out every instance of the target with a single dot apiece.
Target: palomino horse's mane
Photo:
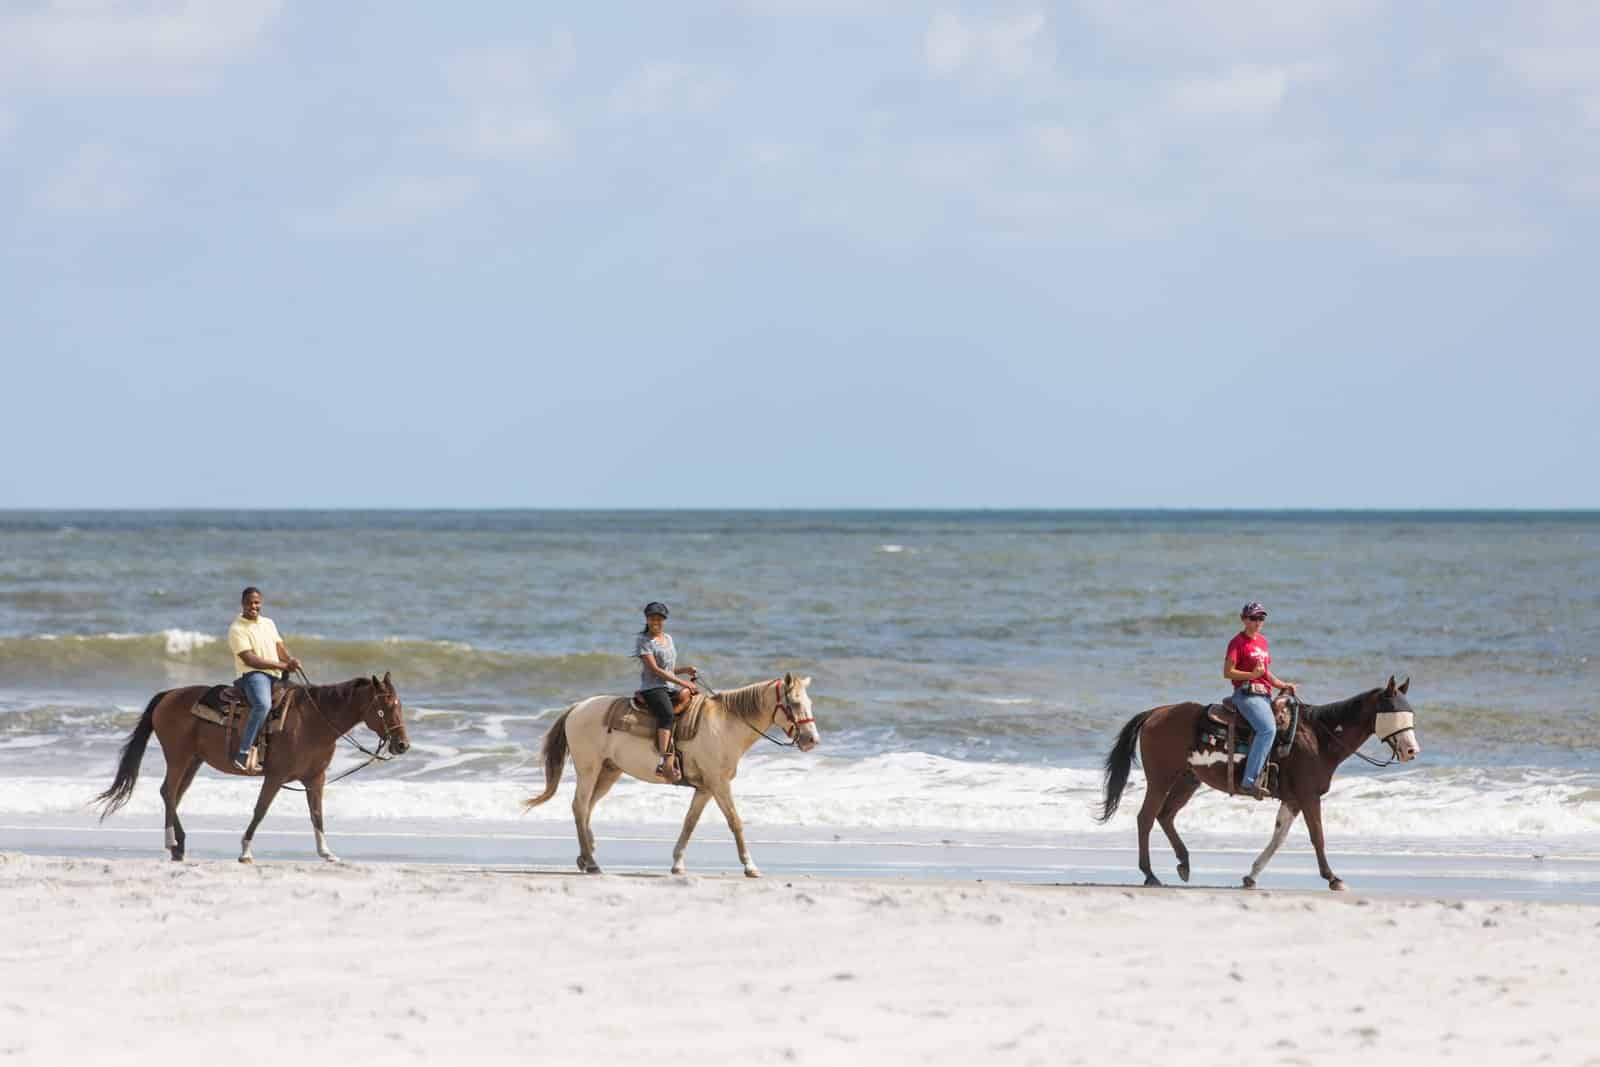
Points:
(1340, 712)
(745, 701)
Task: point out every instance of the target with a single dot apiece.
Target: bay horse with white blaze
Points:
(300, 752)
(732, 721)
(1326, 736)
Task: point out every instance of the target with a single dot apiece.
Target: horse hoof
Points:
(677, 868)
(1183, 871)
(1336, 884)
(1249, 882)
(177, 857)
(1151, 880)
(329, 857)
(751, 872)
(246, 859)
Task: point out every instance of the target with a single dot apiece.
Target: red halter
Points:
(788, 709)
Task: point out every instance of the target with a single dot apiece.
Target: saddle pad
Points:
(623, 716)
(1218, 716)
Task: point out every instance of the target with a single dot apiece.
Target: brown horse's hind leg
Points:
(172, 795)
(1157, 786)
(1168, 819)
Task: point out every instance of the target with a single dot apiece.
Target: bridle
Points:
(1401, 721)
(790, 731)
(383, 737)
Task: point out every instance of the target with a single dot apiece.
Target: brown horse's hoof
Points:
(1183, 871)
(246, 860)
(177, 857)
(1336, 884)
(1151, 880)
(1249, 882)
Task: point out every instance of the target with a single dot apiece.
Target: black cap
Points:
(656, 607)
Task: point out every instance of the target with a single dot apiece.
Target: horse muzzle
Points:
(399, 745)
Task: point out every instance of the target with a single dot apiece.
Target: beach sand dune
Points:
(145, 961)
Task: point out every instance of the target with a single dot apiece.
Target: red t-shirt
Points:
(1248, 653)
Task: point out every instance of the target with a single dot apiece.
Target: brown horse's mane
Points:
(745, 701)
(1340, 712)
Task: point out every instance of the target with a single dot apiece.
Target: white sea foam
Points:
(183, 642)
(891, 548)
(916, 791)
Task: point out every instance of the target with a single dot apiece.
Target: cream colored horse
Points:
(731, 722)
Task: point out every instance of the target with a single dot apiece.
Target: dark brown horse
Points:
(1328, 734)
(301, 752)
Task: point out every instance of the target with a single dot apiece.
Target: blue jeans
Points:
(257, 688)
(1257, 711)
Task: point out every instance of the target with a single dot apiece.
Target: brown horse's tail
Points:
(555, 758)
(132, 755)
(1119, 762)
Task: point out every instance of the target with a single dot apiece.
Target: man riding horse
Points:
(259, 658)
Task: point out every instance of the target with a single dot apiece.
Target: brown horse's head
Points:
(385, 717)
(1395, 723)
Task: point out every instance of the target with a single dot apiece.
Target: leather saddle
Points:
(631, 716)
(1223, 720)
(227, 704)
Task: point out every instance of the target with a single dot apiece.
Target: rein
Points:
(783, 706)
(372, 757)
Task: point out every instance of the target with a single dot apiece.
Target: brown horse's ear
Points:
(1390, 691)
(1405, 684)
(380, 684)
(386, 683)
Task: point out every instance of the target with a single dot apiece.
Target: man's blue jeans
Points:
(1257, 711)
(257, 688)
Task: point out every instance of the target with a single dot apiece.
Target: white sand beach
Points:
(145, 961)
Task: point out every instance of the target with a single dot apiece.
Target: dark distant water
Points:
(970, 668)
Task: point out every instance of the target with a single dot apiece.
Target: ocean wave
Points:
(922, 792)
(176, 656)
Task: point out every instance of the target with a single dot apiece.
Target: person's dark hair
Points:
(247, 591)
(655, 607)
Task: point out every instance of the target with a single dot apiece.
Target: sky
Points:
(799, 253)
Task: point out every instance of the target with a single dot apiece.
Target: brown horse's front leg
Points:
(314, 786)
(1314, 828)
(269, 790)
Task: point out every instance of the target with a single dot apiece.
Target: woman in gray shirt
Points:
(661, 681)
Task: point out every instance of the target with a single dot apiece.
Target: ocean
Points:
(970, 669)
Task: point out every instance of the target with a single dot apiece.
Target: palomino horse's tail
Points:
(1118, 763)
(555, 758)
(132, 755)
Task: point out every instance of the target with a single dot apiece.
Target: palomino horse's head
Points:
(794, 712)
(1396, 723)
(385, 717)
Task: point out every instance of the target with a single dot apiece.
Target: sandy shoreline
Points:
(145, 961)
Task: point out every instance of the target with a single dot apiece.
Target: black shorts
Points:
(659, 701)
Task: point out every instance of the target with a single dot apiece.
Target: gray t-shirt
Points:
(666, 657)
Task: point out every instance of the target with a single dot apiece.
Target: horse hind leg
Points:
(1280, 830)
(173, 786)
(1156, 789)
(582, 805)
(1168, 817)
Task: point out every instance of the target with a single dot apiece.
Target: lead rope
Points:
(372, 757)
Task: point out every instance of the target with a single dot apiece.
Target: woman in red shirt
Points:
(1247, 665)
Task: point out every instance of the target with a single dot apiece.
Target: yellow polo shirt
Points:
(260, 637)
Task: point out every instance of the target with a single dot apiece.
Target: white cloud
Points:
(1249, 93)
(1228, 27)
(1060, 148)
(129, 44)
(97, 182)
(504, 89)
(383, 204)
(999, 48)
(658, 88)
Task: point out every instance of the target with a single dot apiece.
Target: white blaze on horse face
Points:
(1398, 728)
(807, 735)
